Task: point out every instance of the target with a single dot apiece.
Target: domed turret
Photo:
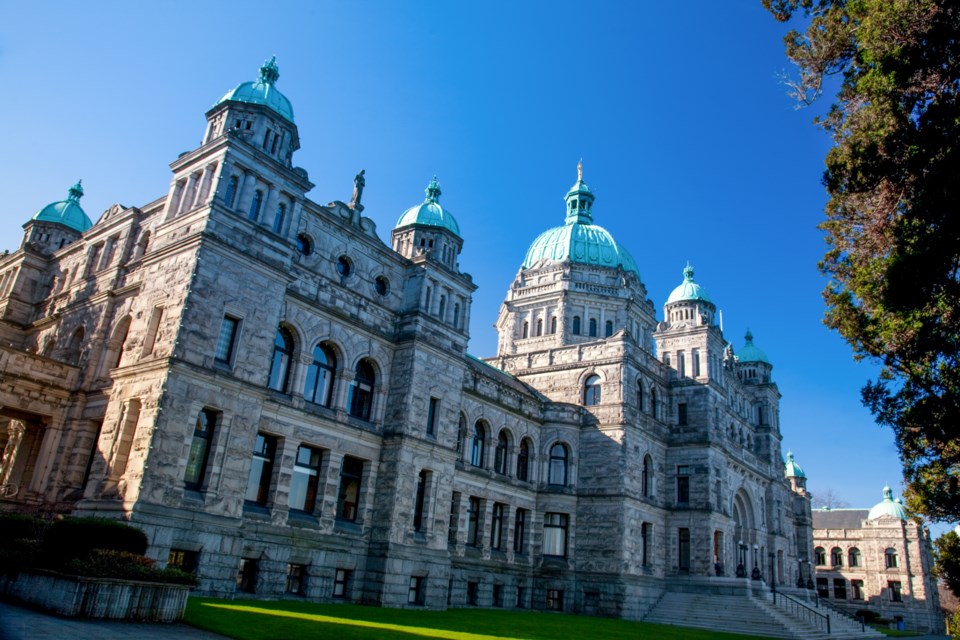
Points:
(688, 289)
(794, 474)
(579, 240)
(888, 507)
(66, 212)
(428, 229)
(750, 352)
(429, 212)
(262, 91)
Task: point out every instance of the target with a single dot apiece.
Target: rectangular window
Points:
(432, 415)
(247, 575)
(351, 472)
(682, 414)
(261, 469)
(473, 522)
(306, 476)
(554, 599)
(496, 527)
(681, 364)
(341, 583)
(521, 598)
(227, 339)
(183, 559)
(420, 506)
(695, 362)
(196, 470)
(417, 589)
(644, 543)
(839, 588)
(297, 579)
(856, 587)
(519, 531)
(498, 595)
(454, 524)
(895, 591)
(473, 593)
(555, 534)
(683, 484)
(823, 588)
(153, 326)
(683, 549)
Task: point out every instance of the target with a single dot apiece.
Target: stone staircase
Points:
(750, 613)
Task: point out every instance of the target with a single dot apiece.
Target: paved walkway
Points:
(19, 623)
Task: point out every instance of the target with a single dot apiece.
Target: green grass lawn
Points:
(259, 620)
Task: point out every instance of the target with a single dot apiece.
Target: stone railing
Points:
(107, 598)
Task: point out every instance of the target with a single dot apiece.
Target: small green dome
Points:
(429, 212)
(66, 212)
(888, 507)
(749, 352)
(263, 91)
(579, 240)
(791, 469)
(688, 289)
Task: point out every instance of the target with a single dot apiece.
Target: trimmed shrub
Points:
(76, 537)
(123, 565)
(18, 526)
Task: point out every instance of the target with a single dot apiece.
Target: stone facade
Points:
(879, 564)
(286, 404)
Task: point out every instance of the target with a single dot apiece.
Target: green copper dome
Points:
(66, 212)
(791, 469)
(429, 212)
(749, 352)
(688, 289)
(888, 507)
(579, 240)
(263, 91)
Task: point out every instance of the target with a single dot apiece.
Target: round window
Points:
(382, 285)
(343, 266)
(304, 244)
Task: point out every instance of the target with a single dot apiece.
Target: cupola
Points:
(66, 212)
(688, 303)
(262, 91)
(794, 474)
(888, 507)
(755, 368)
(579, 240)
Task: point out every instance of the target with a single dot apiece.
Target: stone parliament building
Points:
(286, 405)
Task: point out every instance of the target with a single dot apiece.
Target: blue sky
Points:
(689, 142)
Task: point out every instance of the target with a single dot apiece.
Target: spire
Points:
(887, 493)
(579, 200)
(433, 190)
(688, 273)
(76, 192)
(270, 72)
(748, 337)
(580, 170)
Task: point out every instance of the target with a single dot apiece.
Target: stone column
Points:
(189, 194)
(270, 205)
(246, 193)
(15, 431)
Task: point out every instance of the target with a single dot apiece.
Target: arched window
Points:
(608, 329)
(557, 473)
(442, 308)
(540, 326)
(256, 204)
(500, 455)
(591, 391)
(836, 557)
(576, 325)
(72, 354)
(231, 192)
(461, 435)
(646, 477)
(820, 557)
(476, 444)
(526, 329)
(593, 327)
(653, 402)
(853, 557)
(553, 325)
(361, 393)
(115, 346)
(456, 315)
(280, 366)
(320, 375)
(890, 560)
(639, 396)
(523, 460)
(278, 217)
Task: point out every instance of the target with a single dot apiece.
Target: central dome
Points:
(263, 91)
(579, 240)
